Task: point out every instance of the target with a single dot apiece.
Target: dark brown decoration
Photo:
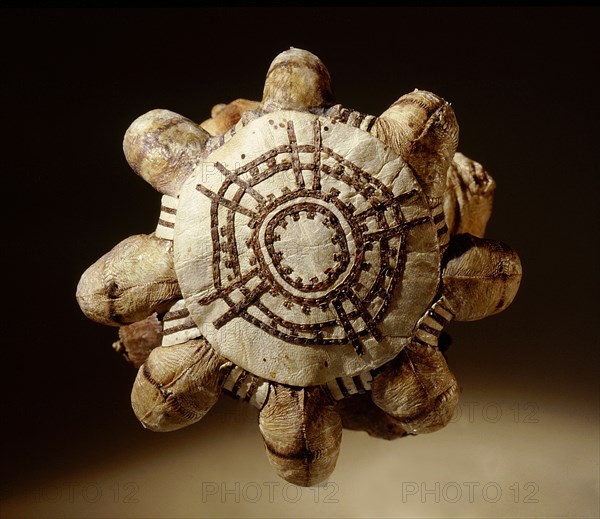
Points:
(306, 259)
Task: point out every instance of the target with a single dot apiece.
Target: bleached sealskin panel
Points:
(293, 244)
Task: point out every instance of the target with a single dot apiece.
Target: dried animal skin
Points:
(306, 259)
(302, 432)
(421, 127)
(304, 244)
(359, 413)
(468, 197)
(417, 389)
(480, 277)
(133, 280)
(224, 116)
(296, 80)
(177, 385)
(138, 339)
(164, 148)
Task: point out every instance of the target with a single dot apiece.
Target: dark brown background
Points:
(520, 81)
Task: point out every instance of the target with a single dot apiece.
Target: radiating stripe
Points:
(366, 377)
(181, 336)
(235, 389)
(226, 202)
(168, 210)
(432, 331)
(440, 224)
(367, 122)
(431, 322)
(440, 308)
(343, 387)
(166, 220)
(334, 390)
(430, 326)
(169, 202)
(186, 324)
(178, 326)
(164, 223)
(397, 200)
(175, 314)
(242, 305)
(426, 337)
(432, 315)
(243, 184)
(296, 167)
(348, 384)
(394, 231)
(261, 394)
(355, 119)
(232, 378)
(223, 292)
(364, 313)
(356, 380)
(247, 387)
(168, 216)
(351, 334)
(317, 142)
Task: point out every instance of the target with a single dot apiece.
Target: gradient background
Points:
(525, 441)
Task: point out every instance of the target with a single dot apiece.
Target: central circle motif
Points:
(308, 247)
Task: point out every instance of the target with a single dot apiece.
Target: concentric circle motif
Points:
(319, 255)
(313, 253)
(293, 242)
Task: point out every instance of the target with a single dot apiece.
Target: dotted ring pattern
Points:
(309, 211)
